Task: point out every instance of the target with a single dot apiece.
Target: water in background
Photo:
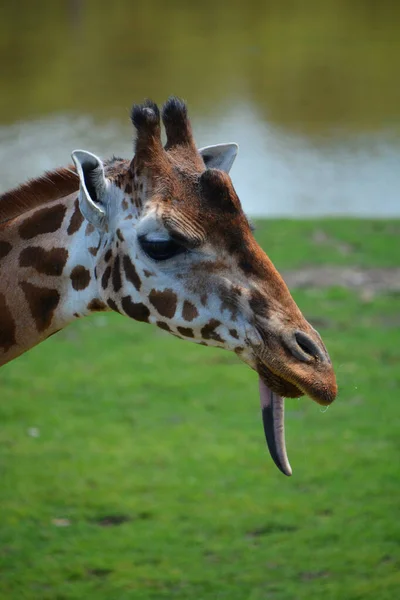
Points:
(310, 91)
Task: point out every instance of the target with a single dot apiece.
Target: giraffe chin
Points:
(273, 415)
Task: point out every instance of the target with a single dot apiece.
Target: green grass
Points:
(151, 453)
(364, 243)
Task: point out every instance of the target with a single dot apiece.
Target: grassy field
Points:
(133, 465)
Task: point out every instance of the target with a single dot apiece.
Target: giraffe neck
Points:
(47, 274)
(52, 261)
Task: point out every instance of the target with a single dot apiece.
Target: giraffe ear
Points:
(220, 156)
(93, 187)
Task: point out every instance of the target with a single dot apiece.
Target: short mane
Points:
(35, 192)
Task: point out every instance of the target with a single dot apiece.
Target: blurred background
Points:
(134, 466)
(310, 91)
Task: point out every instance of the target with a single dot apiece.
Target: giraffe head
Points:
(177, 250)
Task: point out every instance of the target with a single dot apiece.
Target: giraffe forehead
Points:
(196, 220)
(211, 194)
(182, 190)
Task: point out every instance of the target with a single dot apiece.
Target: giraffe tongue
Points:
(273, 412)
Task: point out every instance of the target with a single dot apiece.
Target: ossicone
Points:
(146, 119)
(174, 110)
(146, 116)
(176, 123)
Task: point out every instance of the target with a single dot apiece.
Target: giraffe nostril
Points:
(308, 346)
(303, 347)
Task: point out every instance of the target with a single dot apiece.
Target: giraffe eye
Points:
(161, 249)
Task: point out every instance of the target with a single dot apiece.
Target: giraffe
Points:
(161, 238)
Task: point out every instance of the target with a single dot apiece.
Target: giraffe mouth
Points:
(273, 390)
(277, 383)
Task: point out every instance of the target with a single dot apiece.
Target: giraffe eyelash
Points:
(161, 250)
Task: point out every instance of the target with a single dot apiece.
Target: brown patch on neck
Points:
(42, 303)
(76, 219)
(51, 186)
(48, 262)
(7, 326)
(5, 248)
(45, 220)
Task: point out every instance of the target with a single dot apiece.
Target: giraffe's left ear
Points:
(93, 188)
(220, 156)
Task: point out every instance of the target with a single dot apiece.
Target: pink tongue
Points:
(273, 413)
